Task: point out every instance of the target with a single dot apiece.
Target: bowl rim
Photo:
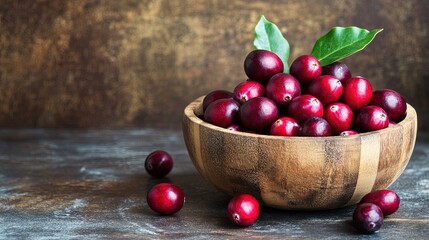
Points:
(192, 107)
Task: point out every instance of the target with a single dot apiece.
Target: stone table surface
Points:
(91, 184)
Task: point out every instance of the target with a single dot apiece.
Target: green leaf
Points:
(268, 37)
(341, 42)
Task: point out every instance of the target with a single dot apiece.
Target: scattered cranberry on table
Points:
(165, 198)
(243, 209)
(370, 212)
(386, 199)
(368, 218)
(158, 163)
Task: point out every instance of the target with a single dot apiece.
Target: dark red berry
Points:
(348, 133)
(315, 126)
(215, 95)
(282, 88)
(326, 88)
(371, 118)
(387, 200)
(258, 114)
(357, 92)
(260, 65)
(247, 90)
(243, 210)
(306, 68)
(165, 198)
(158, 163)
(392, 102)
(368, 218)
(222, 112)
(304, 107)
(339, 116)
(285, 126)
(337, 69)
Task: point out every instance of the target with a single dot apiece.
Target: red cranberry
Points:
(282, 88)
(387, 200)
(368, 218)
(222, 112)
(339, 116)
(158, 163)
(285, 126)
(306, 68)
(165, 198)
(348, 133)
(215, 95)
(392, 102)
(243, 210)
(304, 107)
(371, 118)
(315, 126)
(337, 69)
(258, 114)
(357, 92)
(326, 88)
(260, 65)
(247, 90)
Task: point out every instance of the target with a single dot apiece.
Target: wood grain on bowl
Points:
(298, 172)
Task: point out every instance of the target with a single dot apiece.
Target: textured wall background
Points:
(139, 62)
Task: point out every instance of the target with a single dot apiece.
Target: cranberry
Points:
(215, 95)
(285, 126)
(260, 65)
(315, 126)
(258, 114)
(326, 88)
(339, 116)
(392, 102)
(306, 68)
(247, 90)
(165, 198)
(243, 209)
(387, 200)
(282, 88)
(339, 70)
(371, 118)
(368, 218)
(357, 92)
(304, 107)
(158, 163)
(222, 112)
(348, 133)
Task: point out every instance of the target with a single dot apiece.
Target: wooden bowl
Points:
(303, 173)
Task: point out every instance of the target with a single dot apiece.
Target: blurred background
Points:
(138, 63)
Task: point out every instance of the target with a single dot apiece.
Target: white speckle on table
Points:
(137, 227)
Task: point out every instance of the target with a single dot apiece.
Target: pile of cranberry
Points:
(310, 101)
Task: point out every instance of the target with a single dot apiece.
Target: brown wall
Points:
(139, 62)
